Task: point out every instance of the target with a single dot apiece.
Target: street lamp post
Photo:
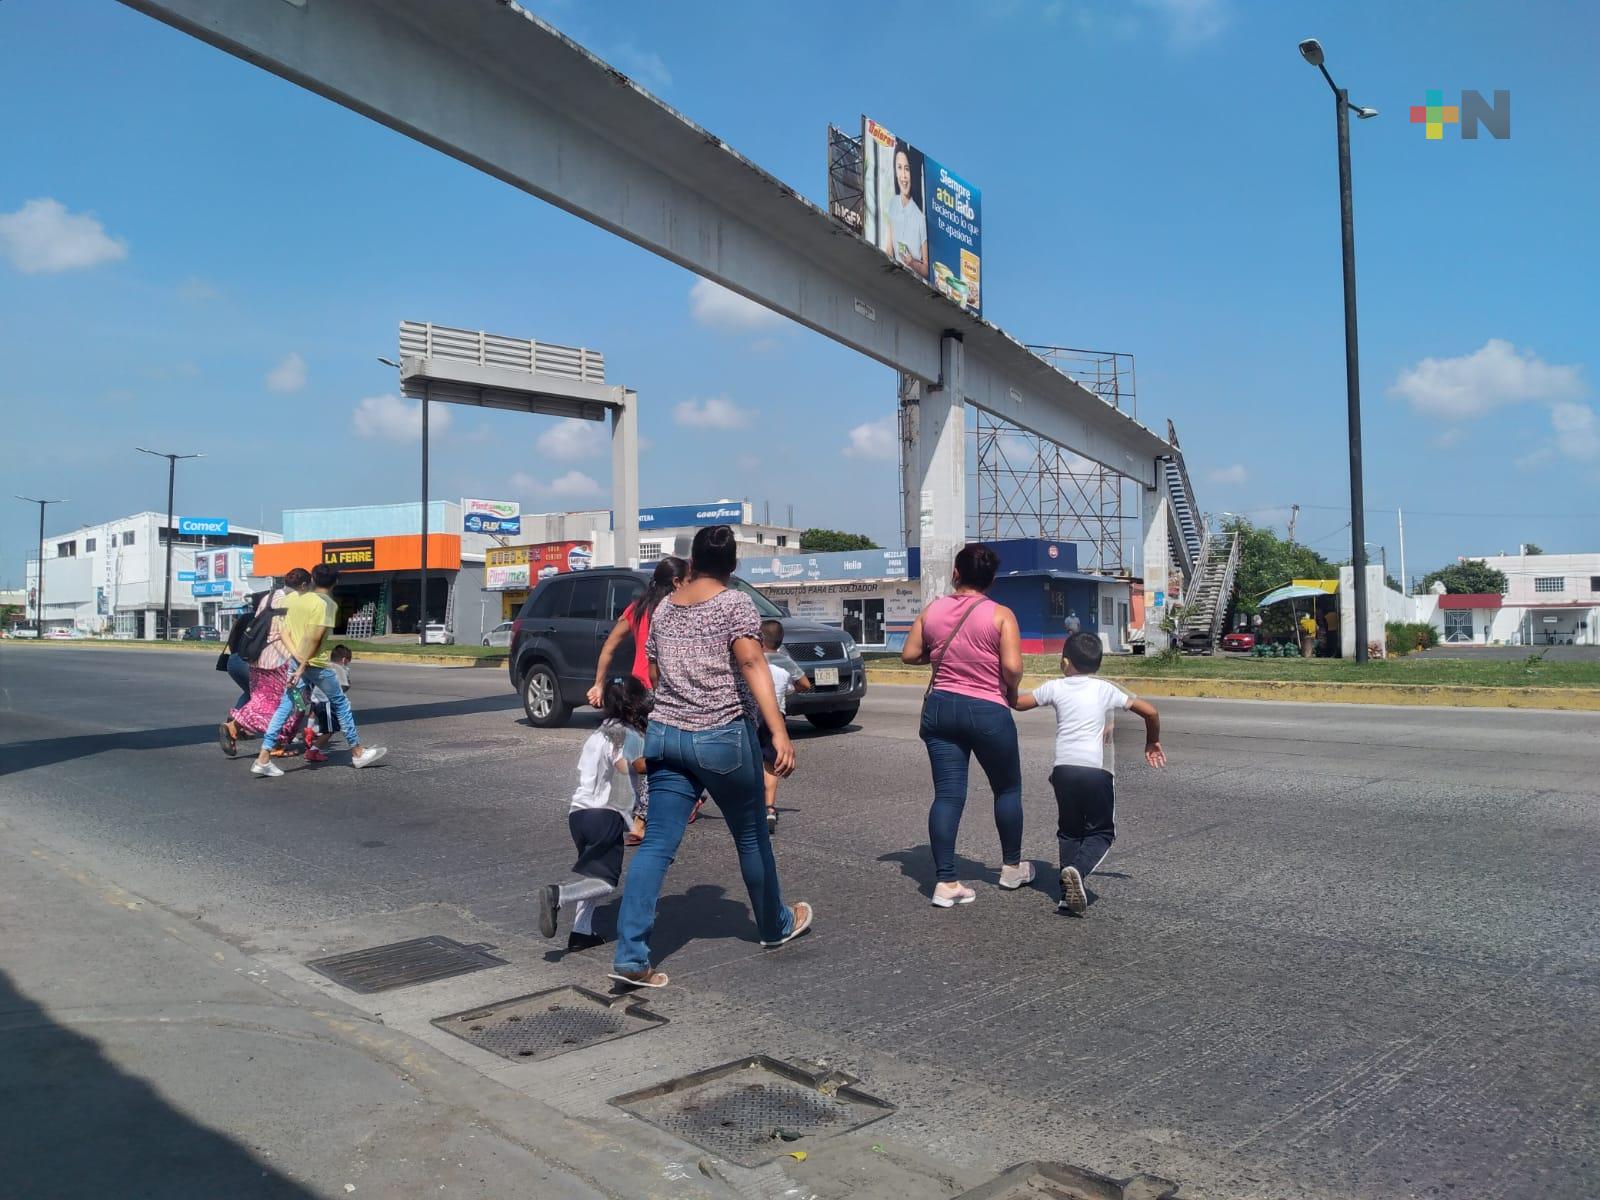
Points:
(38, 595)
(422, 605)
(1311, 51)
(172, 533)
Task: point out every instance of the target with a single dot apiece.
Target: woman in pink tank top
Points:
(976, 654)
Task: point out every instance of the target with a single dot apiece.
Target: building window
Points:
(127, 537)
(1106, 609)
(1549, 583)
(1594, 583)
(760, 538)
(113, 541)
(66, 549)
(88, 545)
(783, 539)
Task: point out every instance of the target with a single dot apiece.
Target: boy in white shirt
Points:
(1085, 799)
(786, 677)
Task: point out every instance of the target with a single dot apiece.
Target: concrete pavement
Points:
(1319, 935)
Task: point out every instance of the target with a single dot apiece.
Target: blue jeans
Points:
(681, 762)
(954, 728)
(324, 678)
(239, 672)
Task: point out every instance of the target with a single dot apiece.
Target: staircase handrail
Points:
(1225, 594)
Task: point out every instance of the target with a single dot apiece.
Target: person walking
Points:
(263, 648)
(711, 679)
(1074, 626)
(635, 621)
(976, 652)
(306, 626)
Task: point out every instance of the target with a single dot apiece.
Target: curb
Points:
(426, 660)
(1286, 691)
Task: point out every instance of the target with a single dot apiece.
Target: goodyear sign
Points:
(361, 555)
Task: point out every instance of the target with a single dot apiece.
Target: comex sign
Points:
(203, 526)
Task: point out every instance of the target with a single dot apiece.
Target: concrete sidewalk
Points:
(143, 1056)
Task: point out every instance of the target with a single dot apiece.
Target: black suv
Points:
(556, 640)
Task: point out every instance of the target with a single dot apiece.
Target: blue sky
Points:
(201, 257)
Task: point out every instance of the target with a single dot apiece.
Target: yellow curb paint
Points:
(1292, 692)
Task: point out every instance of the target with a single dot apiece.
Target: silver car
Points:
(500, 635)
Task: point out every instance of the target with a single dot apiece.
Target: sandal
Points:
(802, 922)
(228, 738)
(644, 979)
(694, 813)
(961, 895)
(632, 839)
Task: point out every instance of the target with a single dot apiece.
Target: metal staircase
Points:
(1205, 604)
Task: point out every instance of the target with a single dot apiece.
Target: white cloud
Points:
(574, 485)
(715, 307)
(1449, 439)
(1577, 431)
(573, 440)
(1190, 22)
(392, 419)
(1227, 475)
(1493, 375)
(42, 237)
(289, 375)
(715, 412)
(876, 440)
(647, 68)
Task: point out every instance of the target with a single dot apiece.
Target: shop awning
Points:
(1300, 589)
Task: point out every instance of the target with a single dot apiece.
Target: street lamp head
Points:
(1364, 114)
(389, 362)
(1311, 51)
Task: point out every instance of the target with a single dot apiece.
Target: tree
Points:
(1468, 577)
(1532, 548)
(825, 540)
(1266, 563)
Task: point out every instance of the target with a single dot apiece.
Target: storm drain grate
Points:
(1058, 1181)
(756, 1109)
(401, 964)
(545, 1024)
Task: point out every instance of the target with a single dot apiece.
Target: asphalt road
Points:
(1336, 951)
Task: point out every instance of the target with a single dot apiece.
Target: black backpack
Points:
(259, 631)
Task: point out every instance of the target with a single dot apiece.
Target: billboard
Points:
(203, 526)
(517, 568)
(202, 568)
(851, 564)
(922, 215)
(680, 516)
(502, 517)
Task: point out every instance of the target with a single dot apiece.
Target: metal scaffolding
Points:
(1030, 487)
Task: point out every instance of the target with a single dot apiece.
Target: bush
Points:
(1407, 637)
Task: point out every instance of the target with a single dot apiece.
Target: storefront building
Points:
(379, 585)
(109, 579)
(511, 572)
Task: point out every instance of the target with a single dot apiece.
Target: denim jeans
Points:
(954, 728)
(239, 672)
(324, 678)
(680, 763)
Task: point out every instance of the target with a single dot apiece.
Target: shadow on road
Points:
(45, 752)
(702, 913)
(76, 1125)
(916, 863)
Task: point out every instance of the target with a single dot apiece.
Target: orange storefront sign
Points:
(353, 555)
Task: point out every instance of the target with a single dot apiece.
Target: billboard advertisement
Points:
(503, 517)
(922, 215)
(518, 568)
(202, 568)
(203, 526)
(680, 516)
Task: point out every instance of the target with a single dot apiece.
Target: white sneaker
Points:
(267, 770)
(366, 756)
(1011, 878)
(1073, 898)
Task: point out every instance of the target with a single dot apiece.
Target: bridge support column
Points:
(1155, 517)
(625, 480)
(933, 466)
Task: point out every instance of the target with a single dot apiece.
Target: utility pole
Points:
(38, 595)
(172, 532)
(1405, 580)
(1294, 517)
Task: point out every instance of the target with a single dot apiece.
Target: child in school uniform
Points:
(786, 677)
(1086, 802)
(598, 815)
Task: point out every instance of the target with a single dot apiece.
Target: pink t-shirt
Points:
(970, 665)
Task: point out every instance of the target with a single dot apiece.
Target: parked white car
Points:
(436, 634)
(500, 635)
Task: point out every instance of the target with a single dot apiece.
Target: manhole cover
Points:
(756, 1109)
(1058, 1181)
(545, 1024)
(401, 964)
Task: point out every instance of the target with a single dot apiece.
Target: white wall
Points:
(1384, 604)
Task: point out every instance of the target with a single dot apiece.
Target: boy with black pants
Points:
(1085, 798)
